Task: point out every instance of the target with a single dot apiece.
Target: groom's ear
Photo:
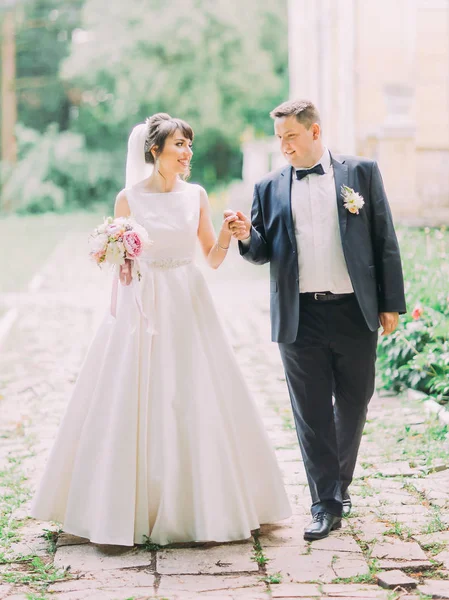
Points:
(316, 131)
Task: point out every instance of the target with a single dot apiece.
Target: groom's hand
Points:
(241, 228)
(389, 321)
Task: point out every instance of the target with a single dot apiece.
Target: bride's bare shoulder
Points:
(121, 208)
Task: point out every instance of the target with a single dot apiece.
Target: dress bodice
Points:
(171, 220)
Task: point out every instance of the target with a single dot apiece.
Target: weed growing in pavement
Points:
(38, 573)
(51, 535)
(399, 530)
(436, 523)
(258, 553)
(28, 569)
(365, 578)
(149, 545)
(435, 548)
(275, 578)
(287, 422)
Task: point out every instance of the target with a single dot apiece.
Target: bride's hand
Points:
(125, 273)
(229, 217)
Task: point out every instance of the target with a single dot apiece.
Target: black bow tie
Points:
(317, 169)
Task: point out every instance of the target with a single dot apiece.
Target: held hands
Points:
(125, 274)
(389, 322)
(239, 225)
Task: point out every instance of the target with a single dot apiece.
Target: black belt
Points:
(325, 296)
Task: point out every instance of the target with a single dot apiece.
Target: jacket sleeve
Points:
(390, 280)
(256, 251)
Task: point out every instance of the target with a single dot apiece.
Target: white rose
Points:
(98, 242)
(115, 253)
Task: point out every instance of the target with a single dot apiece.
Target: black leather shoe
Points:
(321, 526)
(347, 506)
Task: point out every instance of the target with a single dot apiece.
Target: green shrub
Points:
(55, 171)
(417, 354)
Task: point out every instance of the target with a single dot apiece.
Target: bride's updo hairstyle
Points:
(159, 127)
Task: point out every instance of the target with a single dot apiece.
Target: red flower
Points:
(417, 312)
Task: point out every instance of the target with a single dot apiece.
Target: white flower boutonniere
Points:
(352, 200)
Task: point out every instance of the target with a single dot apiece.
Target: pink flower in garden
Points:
(417, 312)
(133, 244)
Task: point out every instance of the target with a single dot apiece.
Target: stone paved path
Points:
(398, 532)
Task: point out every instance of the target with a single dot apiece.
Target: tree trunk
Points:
(8, 94)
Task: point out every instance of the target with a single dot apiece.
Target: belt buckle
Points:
(319, 294)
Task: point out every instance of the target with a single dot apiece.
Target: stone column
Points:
(303, 48)
(396, 151)
(345, 138)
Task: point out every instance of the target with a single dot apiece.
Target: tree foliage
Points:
(44, 29)
(221, 66)
(94, 69)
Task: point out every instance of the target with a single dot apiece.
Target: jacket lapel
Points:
(341, 178)
(285, 199)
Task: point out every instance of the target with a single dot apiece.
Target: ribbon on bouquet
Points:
(137, 287)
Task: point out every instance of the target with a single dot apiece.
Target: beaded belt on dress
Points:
(162, 263)
(166, 263)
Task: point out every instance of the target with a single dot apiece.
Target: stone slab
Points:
(67, 539)
(88, 557)
(349, 565)
(398, 549)
(299, 567)
(337, 543)
(353, 590)
(396, 469)
(5, 590)
(104, 579)
(415, 565)
(295, 590)
(219, 559)
(440, 537)
(443, 557)
(290, 534)
(201, 584)
(319, 565)
(110, 593)
(435, 588)
(394, 579)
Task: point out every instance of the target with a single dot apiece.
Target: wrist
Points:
(224, 237)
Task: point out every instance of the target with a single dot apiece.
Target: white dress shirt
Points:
(322, 266)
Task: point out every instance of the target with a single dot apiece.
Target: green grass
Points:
(30, 239)
(28, 570)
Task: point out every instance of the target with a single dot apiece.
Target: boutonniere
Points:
(352, 200)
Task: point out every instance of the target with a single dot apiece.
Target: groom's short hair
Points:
(305, 112)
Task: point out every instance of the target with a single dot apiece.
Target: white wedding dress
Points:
(161, 437)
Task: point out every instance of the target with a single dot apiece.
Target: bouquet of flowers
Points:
(117, 240)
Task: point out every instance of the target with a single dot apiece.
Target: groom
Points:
(325, 227)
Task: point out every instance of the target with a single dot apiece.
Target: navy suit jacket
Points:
(369, 243)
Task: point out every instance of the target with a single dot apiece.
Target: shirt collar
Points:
(325, 162)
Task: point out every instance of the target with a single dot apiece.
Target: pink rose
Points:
(417, 312)
(133, 244)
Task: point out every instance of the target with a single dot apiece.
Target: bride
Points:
(161, 437)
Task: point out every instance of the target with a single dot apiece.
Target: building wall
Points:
(379, 72)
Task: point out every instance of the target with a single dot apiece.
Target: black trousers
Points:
(333, 355)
